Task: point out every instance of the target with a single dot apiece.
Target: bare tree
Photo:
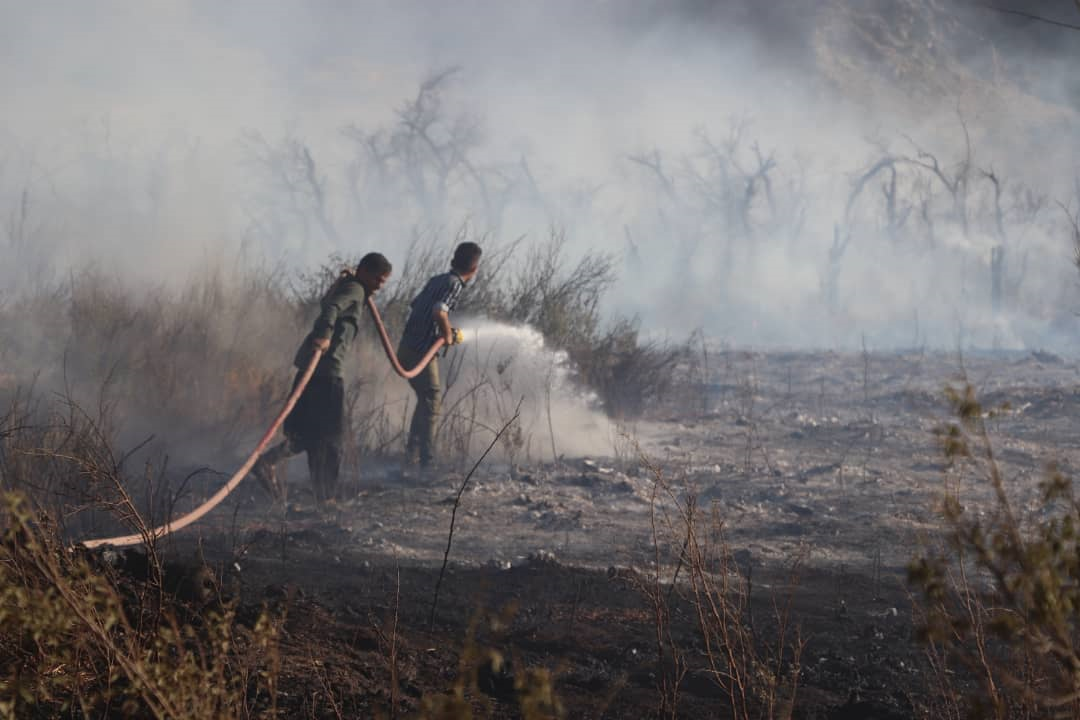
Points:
(294, 175)
(1072, 217)
(426, 155)
(654, 164)
(17, 225)
(956, 181)
(997, 253)
(839, 246)
(1037, 18)
(897, 210)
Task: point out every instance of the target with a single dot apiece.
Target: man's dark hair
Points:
(375, 263)
(466, 257)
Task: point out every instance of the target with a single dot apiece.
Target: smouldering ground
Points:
(830, 452)
(831, 455)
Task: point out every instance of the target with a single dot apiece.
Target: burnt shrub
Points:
(536, 285)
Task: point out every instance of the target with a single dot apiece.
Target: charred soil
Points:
(821, 471)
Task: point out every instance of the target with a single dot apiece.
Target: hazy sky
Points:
(125, 123)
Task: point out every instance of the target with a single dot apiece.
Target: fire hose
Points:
(183, 521)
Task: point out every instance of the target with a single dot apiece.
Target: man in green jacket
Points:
(316, 424)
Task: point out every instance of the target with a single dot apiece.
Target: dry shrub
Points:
(204, 359)
(631, 375)
(1001, 600)
(64, 458)
(78, 637)
(754, 663)
(485, 670)
(73, 641)
(562, 301)
(537, 286)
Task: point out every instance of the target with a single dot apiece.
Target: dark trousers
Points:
(316, 426)
(425, 417)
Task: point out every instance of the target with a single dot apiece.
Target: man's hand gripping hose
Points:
(456, 338)
(184, 520)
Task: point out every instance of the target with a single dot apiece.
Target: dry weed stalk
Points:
(454, 509)
(1000, 602)
(389, 644)
(758, 677)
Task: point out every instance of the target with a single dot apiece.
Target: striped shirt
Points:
(440, 293)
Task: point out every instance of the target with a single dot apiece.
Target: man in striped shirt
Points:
(428, 321)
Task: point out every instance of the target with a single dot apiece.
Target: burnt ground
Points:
(824, 457)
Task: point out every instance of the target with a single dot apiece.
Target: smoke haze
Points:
(157, 139)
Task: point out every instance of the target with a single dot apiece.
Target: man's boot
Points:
(266, 473)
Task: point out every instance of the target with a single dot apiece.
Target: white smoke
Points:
(142, 134)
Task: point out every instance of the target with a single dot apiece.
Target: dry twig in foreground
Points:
(457, 502)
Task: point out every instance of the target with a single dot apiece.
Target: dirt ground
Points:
(826, 457)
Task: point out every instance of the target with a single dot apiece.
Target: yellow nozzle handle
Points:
(459, 336)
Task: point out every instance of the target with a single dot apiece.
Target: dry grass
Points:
(77, 638)
(755, 666)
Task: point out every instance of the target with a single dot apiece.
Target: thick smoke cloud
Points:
(156, 139)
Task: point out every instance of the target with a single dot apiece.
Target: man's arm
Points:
(340, 298)
(441, 311)
(442, 317)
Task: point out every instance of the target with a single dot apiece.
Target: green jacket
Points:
(339, 320)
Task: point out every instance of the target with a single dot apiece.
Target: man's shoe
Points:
(266, 474)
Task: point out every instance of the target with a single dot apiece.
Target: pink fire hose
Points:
(183, 521)
(392, 356)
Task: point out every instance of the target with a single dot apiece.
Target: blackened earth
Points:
(818, 468)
